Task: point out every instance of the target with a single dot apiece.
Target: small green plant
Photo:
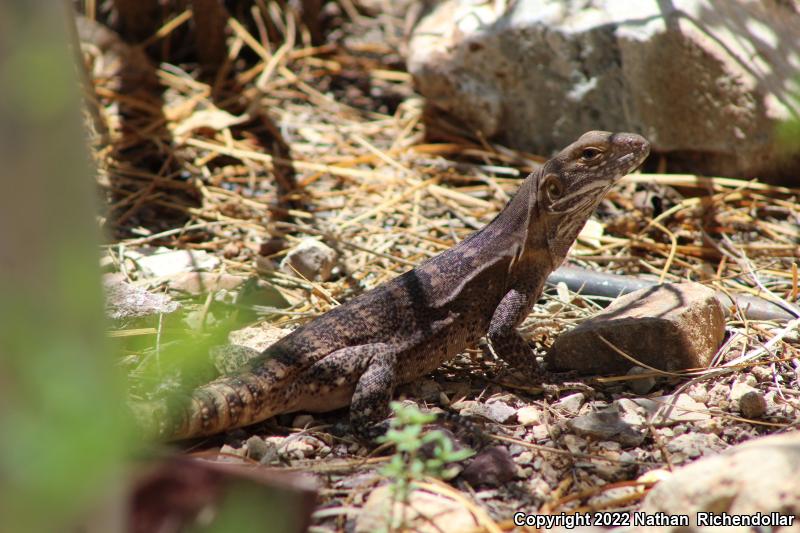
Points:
(408, 464)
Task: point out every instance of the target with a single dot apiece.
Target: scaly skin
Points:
(403, 329)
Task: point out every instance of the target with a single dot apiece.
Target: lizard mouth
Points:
(628, 163)
(627, 157)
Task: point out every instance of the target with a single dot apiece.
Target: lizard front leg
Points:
(369, 409)
(506, 341)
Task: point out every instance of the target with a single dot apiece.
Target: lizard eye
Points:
(590, 154)
(554, 188)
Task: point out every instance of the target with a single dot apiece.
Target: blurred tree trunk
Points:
(63, 436)
(311, 15)
(136, 19)
(210, 19)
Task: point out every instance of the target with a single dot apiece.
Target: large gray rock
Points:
(706, 82)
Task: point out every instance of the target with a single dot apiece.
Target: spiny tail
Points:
(226, 403)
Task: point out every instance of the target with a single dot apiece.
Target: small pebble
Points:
(312, 259)
(609, 446)
(693, 445)
(230, 250)
(541, 432)
(443, 399)
(229, 454)
(752, 404)
(739, 389)
(524, 458)
(491, 467)
(497, 411)
(256, 448)
(529, 415)
(698, 392)
(762, 373)
(302, 421)
(641, 386)
(574, 443)
(572, 403)
(300, 447)
(606, 424)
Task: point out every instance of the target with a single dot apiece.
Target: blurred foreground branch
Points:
(63, 437)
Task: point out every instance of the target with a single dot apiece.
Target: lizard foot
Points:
(533, 373)
(530, 373)
(370, 433)
(464, 428)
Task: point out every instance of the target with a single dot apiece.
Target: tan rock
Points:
(753, 404)
(530, 415)
(669, 327)
(312, 259)
(424, 512)
(759, 476)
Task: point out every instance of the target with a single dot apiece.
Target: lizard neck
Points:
(519, 216)
(518, 234)
(520, 229)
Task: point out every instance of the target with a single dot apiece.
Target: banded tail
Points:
(226, 403)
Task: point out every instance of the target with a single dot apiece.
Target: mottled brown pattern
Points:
(360, 351)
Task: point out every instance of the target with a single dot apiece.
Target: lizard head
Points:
(574, 181)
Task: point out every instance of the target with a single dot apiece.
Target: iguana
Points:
(358, 352)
